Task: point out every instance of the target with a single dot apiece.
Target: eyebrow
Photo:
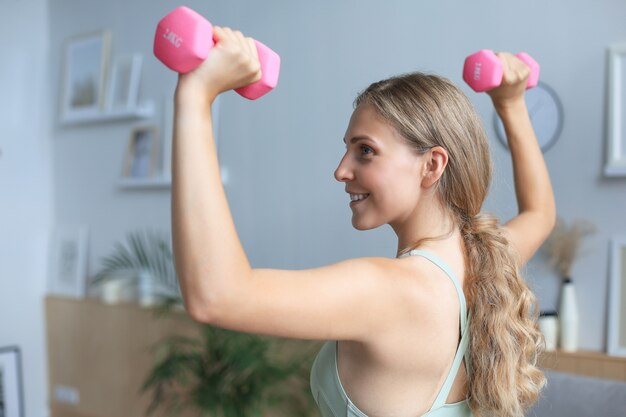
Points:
(355, 139)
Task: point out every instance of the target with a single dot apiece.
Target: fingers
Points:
(246, 45)
(514, 70)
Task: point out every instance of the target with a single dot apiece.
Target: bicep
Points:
(348, 300)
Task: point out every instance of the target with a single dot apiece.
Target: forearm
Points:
(208, 255)
(532, 181)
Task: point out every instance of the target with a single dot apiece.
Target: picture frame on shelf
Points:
(123, 89)
(11, 384)
(615, 165)
(84, 75)
(142, 153)
(616, 333)
(68, 274)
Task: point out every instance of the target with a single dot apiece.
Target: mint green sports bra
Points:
(330, 396)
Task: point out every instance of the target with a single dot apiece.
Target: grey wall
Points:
(25, 189)
(281, 151)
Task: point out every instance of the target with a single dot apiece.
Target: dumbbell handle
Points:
(483, 70)
(184, 38)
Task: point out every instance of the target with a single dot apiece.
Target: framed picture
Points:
(142, 154)
(68, 262)
(616, 344)
(124, 85)
(84, 77)
(616, 133)
(11, 395)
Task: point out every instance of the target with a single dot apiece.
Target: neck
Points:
(428, 221)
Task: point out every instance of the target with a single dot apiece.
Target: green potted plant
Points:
(230, 374)
(219, 373)
(145, 261)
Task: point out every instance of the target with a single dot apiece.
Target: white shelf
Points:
(143, 111)
(159, 182)
(615, 170)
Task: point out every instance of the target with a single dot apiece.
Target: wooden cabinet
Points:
(100, 355)
(594, 364)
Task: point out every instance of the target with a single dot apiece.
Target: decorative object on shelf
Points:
(142, 154)
(615, 164)
(616, 334)
(68, 262)
(11, 385)
(546, 114)
(549, 326)
(568, 317)
(123, 91)
(143, 262)
(228, 373)
(84, 77)
(118, 290)
(563, 247)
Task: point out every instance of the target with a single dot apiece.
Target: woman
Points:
(399, 340)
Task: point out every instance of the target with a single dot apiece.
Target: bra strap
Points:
(441, 264)
(463, 344)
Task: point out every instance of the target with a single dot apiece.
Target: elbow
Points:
(204, 313)
(200, 309)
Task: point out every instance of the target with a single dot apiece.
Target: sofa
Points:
(569, 395)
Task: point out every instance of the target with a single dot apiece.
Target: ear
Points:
(436, 160)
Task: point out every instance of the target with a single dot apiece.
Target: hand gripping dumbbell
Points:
(184, 38)
(483, 70)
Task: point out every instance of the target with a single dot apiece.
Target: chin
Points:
(363, 225)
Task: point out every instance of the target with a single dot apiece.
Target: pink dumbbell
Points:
(184, 38)
(483, 70)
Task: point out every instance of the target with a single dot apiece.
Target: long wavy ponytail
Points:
(505, 341)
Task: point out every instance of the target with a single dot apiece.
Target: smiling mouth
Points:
(357, 198)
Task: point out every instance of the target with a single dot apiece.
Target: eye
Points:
(364, 149)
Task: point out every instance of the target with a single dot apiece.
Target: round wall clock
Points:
(546, 114)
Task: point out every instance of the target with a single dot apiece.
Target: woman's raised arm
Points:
(535, 198)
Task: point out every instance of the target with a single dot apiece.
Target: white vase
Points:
(147, 289)
(549, 326)
(116, 290)
(568, 317)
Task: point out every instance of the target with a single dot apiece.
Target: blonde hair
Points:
(429, 111)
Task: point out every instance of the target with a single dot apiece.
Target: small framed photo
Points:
(68, 274)
(616, 344)
(616, 130)
(11, 394)
(142, 154)
(84, 77)
(124, 85)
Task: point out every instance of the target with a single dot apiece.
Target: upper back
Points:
(405, 368)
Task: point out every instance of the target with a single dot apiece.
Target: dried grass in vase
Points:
(564, 244)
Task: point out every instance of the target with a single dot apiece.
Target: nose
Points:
(344, 171)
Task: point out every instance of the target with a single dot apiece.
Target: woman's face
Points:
(379, 165)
